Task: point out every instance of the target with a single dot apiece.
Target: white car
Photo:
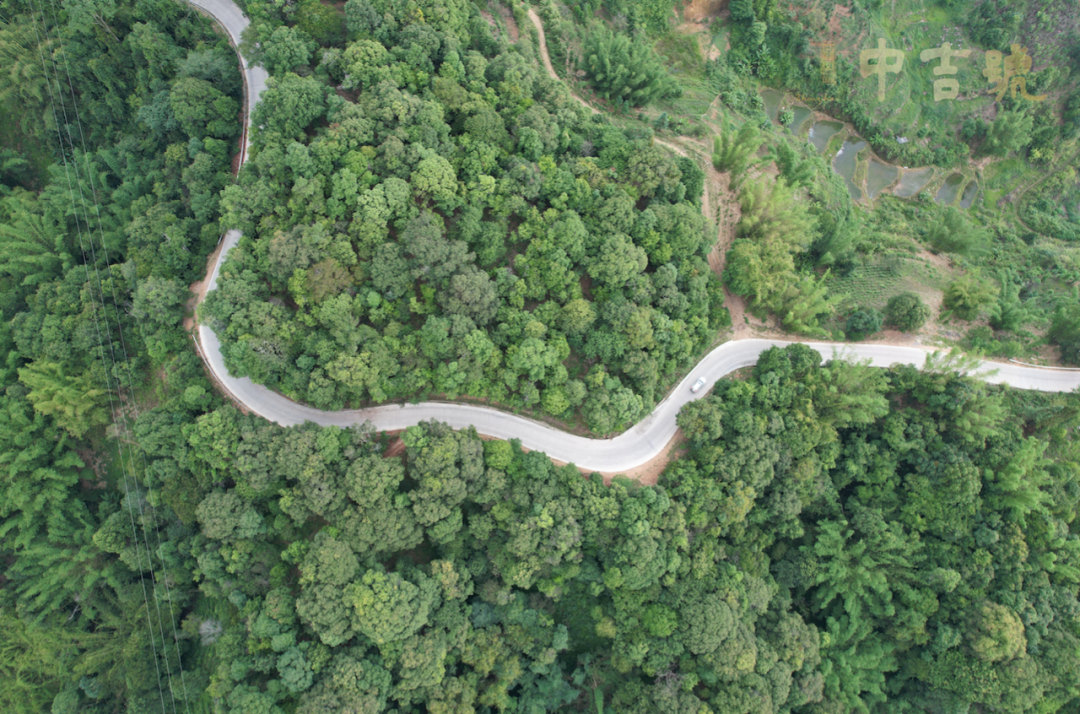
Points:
(698, 385)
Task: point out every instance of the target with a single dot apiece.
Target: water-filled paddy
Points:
(969, 195)
(844, 164)
(801, 115)
(947, 193)
(913, 181)
(771, 98)
(822, 131)
(879, 176)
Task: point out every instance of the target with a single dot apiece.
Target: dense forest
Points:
(454, 224)
(426, 213)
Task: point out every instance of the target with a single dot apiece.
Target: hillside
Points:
(556, 211)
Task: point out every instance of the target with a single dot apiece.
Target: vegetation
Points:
(907, 312)
(954, 234)
(774, 228)
(863, 323)
(734, 152)
(966, 296)
(134, 107)
(426, 213)
(1065, 333)
(624, 71)
(461, 229)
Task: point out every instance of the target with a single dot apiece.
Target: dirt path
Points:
(1016, 195)
(717, 191)
(547, 59)
(199, 287)
(718, 194)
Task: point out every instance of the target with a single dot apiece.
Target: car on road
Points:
(698, 385)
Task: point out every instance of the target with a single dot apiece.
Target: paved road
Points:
(230, 17)
(636, 446)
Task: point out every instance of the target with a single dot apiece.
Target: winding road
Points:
(638, 445)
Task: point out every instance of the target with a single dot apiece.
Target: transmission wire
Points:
(97, 326)
(134, 402)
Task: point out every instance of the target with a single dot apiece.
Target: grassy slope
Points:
(895, 260)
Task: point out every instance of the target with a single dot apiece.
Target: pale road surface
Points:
(232, 19)
(641, 443)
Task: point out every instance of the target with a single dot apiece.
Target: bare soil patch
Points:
(691, 28)
(726, 218)
(511, 24)
(646, 474)
(199, 288)
(677, 149)
(97, 464)
(936, 259)
(697, 10)
(544, 57)
(839, 13)
(396, 448)
(709, 48)
(894, 337)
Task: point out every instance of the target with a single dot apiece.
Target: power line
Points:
(131, 387)
(97, 326)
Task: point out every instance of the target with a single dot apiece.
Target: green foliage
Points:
(202, 110)
(388, 608)
(377, 237)
(773, 229)
(75, 402)
(955, 234)
(286, 49)
(906, 312)
(967, 295)
(32, 669)
(996, 633)
(1009, 312)
(292, 104)
(33, 249)
(806, 303)
(1065, 332)
(993, 24)
(1010, 131)
(693, 177)
(624, 70)
(736, 152)
(322, 22)
(863, 323)
(796, 170)
(838, 537)
(854, 560)
(742, 11)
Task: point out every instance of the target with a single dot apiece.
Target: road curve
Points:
(233, 20)
(641, 443)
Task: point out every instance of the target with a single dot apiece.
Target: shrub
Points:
(954, 234)
(906, 312)
(736, 152)
(966, 296)
(981, 340)
(623, 69)
(1010, 131)
(863, 323)
(1065, 333)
